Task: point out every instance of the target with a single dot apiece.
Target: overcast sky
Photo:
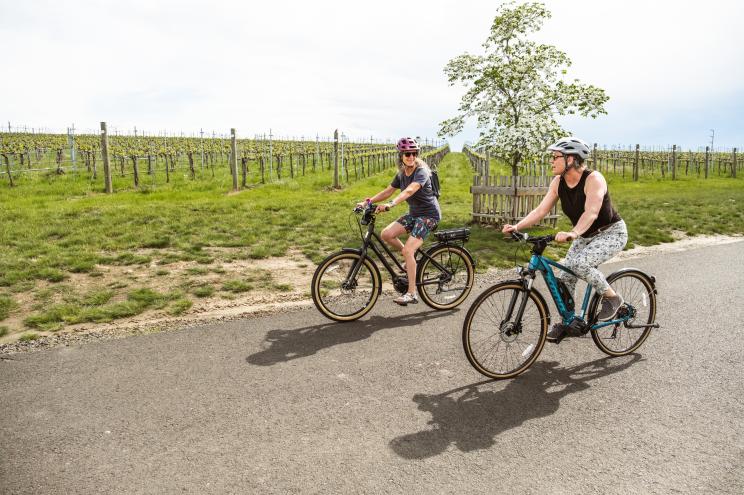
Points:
(673, 70)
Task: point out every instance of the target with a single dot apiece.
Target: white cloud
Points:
(369, 69)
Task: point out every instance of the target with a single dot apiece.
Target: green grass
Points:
(7, 304)
(56, 228)
(96, 308)
(237, 286)
(28, 336)
(203, 291)
(179, 307)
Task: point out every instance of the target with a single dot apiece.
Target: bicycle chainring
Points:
(401, 284)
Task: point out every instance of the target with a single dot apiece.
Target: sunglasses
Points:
(408, 154)
(555, 157)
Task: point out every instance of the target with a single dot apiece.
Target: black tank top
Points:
(574, 199)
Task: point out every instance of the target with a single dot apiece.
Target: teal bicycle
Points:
(506, 326)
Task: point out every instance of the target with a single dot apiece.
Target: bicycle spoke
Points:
(639, 298)
(445, 278)
(501, 348)
(340, 296)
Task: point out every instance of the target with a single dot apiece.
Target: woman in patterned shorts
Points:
(414, 182)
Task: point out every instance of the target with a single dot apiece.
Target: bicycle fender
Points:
(467, 253)
(612, 276)
(374, 265)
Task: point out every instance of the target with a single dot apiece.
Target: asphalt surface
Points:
(293, 403)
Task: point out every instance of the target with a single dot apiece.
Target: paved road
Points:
(295, 404)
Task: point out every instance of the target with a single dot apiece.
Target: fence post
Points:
(335, 159)
(733, 165)
(594, 156)
(635, 162)
(674, 161)
(105, 156)
(707, 160)
(71, 142)
(487, 168)
(234, 158)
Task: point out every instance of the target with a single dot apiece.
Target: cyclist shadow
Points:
(471, 419)
(286, 345)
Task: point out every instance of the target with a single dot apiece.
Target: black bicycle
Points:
(505, 328)
(347, 284)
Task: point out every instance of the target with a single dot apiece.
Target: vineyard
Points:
(129, 161)
(630, 164)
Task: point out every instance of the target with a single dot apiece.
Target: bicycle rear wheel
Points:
(445, 289)
(339, 296)
(640, 300)
(499, 347)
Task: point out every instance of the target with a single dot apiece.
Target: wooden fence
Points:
(504, 199)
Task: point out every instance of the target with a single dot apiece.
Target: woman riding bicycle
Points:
(598, 232)
(414, 181)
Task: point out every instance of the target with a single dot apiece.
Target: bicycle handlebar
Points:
(525, 237)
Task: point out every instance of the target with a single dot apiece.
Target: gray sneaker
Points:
(609, 307)
(556, 333)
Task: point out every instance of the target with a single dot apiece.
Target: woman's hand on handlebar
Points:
(508, 229)
(382, 207)
(565, 236)
(363, 204)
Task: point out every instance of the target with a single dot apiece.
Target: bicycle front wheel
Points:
(495, 343)
(339, 294)
(445, 279)
(640, 301)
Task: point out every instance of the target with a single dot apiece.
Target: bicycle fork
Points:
(513, 326)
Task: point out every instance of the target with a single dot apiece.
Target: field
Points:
(73, 255)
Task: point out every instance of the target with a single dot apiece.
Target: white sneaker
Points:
(406, 299)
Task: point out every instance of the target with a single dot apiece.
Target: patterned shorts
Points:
(418, 226)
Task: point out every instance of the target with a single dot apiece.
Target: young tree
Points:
(516, 91)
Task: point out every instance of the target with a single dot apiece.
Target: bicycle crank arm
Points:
(651, 325)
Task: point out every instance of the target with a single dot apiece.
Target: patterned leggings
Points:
(585, 255)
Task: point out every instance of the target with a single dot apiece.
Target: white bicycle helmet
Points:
(571, 146)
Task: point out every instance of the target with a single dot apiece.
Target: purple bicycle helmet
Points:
(408, 144)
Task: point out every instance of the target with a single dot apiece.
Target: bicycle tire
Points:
(437, 289)
(331, 299)
(484, 331)
(637, 290)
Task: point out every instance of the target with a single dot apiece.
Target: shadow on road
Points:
(471, 418)
(285, 345)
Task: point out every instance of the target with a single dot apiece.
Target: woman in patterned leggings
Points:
(598, 232)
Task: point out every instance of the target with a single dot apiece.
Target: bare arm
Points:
(533, 217)
(380, 196)
(404, 194)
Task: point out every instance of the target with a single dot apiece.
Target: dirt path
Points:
(291, 294)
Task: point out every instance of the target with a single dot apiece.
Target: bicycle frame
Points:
(385, 255)
(543, 265)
